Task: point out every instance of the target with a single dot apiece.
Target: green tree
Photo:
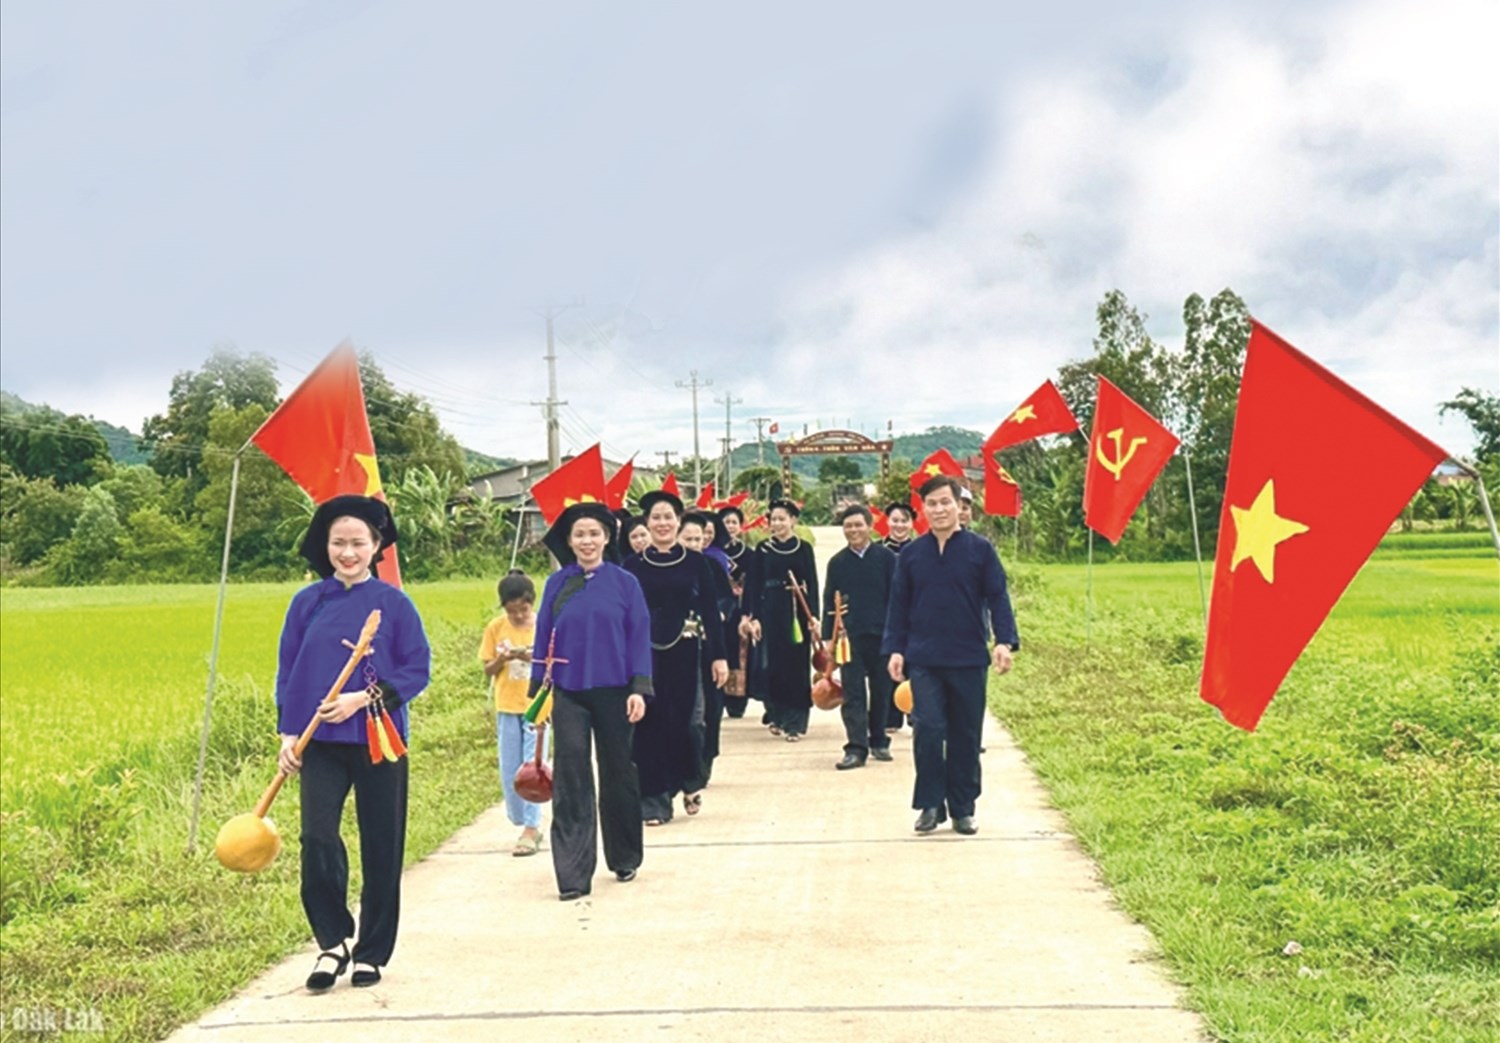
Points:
(157, 548)
(759, 482)
(1482, 411)
(135, 486)
(270, 510)
(43, 443)
(1204, 396)
(419, 500)
(407, 433)
(90, 551)
(35, 515)
(228, 380)
(834, 469)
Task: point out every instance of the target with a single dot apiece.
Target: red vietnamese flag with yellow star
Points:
(879, 522)
(1127, 450)
(1002, 493)
(616, 488)
(580, 480)
(1043, 413)
(669, 485)
(705, 497)
(320, 436)
(1295, 529)
(939, 461)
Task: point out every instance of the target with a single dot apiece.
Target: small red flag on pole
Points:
(1127, 450)
(320, 436)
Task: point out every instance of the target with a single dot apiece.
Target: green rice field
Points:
(91, 673)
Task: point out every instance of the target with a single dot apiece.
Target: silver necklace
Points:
(796, 545)
(666, 564)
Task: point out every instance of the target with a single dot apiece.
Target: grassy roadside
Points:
(104, 912)
(1361, 821)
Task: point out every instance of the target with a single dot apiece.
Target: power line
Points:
(693, 385)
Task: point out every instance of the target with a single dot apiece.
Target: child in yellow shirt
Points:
(505, 651)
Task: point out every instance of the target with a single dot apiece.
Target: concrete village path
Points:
(798, 906)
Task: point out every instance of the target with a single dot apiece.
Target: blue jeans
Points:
(517, 742)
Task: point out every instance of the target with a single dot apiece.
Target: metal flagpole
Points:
(1088, 597)
(1197, 546)
(1484, 501)
(213, 655)
(520, 524)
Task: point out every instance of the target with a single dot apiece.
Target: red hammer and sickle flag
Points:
(320, 436)
(1127, 450)
(1294, 531)
(580, 480)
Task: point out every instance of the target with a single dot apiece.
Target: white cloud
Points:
(1342, 177)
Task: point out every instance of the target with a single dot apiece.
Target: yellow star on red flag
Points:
(1024, 413)
(1257, 531)
(372, 473)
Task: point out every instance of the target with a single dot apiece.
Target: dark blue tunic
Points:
(936, 615)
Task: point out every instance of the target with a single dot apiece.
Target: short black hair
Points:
(516, 584)
(941, 481)
(859, 509)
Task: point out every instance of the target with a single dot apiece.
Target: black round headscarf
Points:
(374, 513)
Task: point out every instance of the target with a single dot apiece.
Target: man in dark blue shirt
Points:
(936, 636)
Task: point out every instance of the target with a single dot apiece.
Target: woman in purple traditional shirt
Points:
(343, 543)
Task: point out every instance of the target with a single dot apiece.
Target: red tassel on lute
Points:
(372, 738)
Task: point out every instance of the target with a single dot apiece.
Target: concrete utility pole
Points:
(729, 402)
(694, 384)
(554, 446)
(760, 423)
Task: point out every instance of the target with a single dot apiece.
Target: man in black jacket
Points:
(861, 573)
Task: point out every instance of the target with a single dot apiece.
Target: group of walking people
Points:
(653, 629)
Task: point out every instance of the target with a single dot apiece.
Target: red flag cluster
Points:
(1043, 413)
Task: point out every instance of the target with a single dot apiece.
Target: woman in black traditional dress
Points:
(731, 523)
(775, 618)
(698, 530)
(685, 633)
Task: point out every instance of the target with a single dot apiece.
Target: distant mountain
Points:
(476, 462)
(123, 444)
(959, 441)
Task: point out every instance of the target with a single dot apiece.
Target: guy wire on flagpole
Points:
(213, 655)
(1187, 460)
(1484, 499)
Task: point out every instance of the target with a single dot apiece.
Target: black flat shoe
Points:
(365, 976)
(928, 820)
(321, 980)
(964, 824)
(625, 876)
(851, 760)
(881, 753)
(570, 896)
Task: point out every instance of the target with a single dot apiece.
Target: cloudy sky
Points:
(845, 211)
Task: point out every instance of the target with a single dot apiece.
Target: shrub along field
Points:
(1361, 821)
